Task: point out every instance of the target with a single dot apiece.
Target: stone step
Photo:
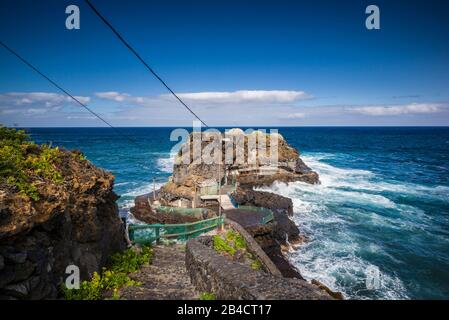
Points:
(166, 278)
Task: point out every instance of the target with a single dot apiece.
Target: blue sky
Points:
(264, 63)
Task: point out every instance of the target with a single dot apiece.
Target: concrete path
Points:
(226, 203)
(166, 278)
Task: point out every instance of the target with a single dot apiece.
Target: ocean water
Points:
(383, 201)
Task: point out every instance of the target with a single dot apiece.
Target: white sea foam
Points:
(326, 213)
(165, 164)
(364, 180)
(142, 189)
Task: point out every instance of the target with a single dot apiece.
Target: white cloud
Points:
(272, 96)
(84, 100)
(35, 102)
(240, 96)
(414, 108)
(113, 95)
(297, 115)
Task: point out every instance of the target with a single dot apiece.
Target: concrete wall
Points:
(212, 272)
(254, 248)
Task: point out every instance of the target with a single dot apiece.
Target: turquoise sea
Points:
(383, 201)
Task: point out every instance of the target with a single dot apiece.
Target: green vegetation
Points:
(232, 242)
(207, 296)
(130, 260)
(256, 265)
(22, 162)
(113, 278)
(221, 245)
(236, 238)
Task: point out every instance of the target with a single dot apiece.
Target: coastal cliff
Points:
(56, 209)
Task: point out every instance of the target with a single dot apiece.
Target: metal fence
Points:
(149, 233)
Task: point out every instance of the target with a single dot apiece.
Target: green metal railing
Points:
(148, 233)
(267, 214)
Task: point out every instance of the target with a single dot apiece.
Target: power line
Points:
(141, 60)
(63, 90)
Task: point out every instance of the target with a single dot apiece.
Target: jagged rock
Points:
(333, 294)
(275, 202)
(271, 237)
(190, 169)
(266, 237)
(74, 222)
(15, 257)
(18, 290)
(15, 273)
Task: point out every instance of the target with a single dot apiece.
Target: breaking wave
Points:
(345, 218)
(165, 164)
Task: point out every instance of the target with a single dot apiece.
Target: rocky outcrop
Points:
(244, 165)
(273, 236)
(242, 161)
(74, 222)
(269, 200)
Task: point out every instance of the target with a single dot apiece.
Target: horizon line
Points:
(240, 126)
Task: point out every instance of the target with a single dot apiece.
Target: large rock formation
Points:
(73, 221)
(189, 172)
(242, 161)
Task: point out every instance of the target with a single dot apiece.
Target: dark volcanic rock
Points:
(266, 237)
(272, 236)
(275, 202)
(75, 222)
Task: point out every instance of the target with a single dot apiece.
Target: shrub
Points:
(207, 296)
(112, 278)
(22, 161)
(256, 265)
(130, 260)
(89, 290)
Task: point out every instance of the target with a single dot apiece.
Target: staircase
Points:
(166, 278)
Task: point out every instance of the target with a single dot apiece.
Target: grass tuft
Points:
(113, 278)
(207, 296)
